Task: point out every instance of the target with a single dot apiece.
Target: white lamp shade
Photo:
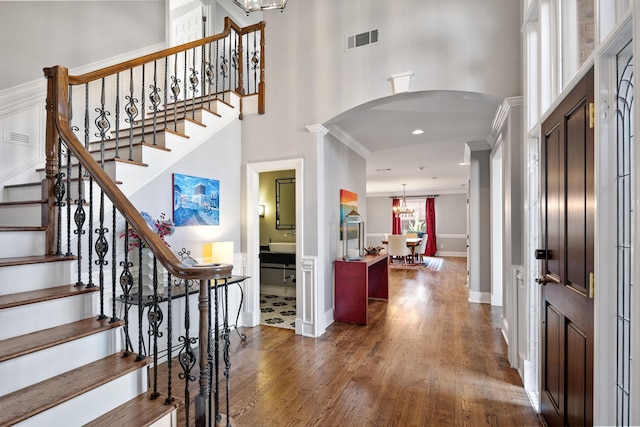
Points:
(218, 252)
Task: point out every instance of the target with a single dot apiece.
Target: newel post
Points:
(49, 212)
(202, 399)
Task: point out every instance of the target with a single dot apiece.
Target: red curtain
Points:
(396, 226)
(430, 214)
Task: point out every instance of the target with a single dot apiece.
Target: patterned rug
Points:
(429, 263)
(278, 311)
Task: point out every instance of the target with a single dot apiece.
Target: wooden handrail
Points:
(58, 122)
(113, 69)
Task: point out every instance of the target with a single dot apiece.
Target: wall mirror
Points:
(286, 204)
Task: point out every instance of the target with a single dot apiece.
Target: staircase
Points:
(52, 345)
(63, 357)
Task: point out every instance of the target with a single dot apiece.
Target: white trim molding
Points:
(307, 290)
(480, 297)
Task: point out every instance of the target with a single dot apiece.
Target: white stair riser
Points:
(109, 168)
(43, 315)
(33, 192)
(32, 277)
(21, 215)
(22, 243)
(92, 404)
(23, 193)
(35, 367)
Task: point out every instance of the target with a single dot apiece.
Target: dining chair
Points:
(421, 248)
(398, 247)
(385, 238)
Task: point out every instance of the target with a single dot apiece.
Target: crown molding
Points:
(501, 117)
(344, 137)
(317, 129)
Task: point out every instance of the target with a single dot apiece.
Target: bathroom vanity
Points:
(278, 264)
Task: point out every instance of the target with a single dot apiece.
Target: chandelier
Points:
(258, 5)
(403, 209)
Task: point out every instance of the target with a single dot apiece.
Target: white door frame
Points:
(252, 291)
(497, 224)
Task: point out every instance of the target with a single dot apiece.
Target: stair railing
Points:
(143, 99)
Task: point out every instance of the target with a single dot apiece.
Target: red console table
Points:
(356, 282)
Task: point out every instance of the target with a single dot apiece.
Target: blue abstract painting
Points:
(196, 201)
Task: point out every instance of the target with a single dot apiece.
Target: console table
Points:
(356, 282)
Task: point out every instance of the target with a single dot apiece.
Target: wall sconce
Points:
(218, 252)
(261, 211)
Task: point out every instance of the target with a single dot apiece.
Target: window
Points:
(408, 223)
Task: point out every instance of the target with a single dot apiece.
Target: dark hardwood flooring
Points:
(427, 358)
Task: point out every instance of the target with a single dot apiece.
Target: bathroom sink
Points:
(283, 247)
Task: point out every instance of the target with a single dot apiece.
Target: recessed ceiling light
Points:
(417, 132)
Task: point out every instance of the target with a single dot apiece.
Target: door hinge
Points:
(591, 285)
(592, 115)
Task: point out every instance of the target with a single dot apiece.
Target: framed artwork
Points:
(196, 201)
(348, 202)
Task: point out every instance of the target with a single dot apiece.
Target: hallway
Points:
(427, 357)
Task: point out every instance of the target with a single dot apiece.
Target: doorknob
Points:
(541, 281)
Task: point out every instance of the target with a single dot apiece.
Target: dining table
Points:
(412, 243)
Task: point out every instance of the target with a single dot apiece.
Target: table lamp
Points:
(218, 252)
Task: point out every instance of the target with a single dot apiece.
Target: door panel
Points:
(567, 231)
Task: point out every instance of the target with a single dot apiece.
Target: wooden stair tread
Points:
(141, 411)
(21, 228)
(29, 401)
(41, 295)
(38, 259)
(30, 343)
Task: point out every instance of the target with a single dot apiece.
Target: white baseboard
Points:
(455, 254)
(480, 297)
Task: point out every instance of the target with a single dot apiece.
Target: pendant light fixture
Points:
(259, 5)
(403, 209)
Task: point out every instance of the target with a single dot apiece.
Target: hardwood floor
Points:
(427, 358)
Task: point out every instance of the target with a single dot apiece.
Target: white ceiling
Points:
(427, 163)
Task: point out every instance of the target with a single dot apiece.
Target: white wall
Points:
(451, 222)
(218, 159)
(38, 34)
(343, 169)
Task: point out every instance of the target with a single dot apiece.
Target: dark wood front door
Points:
(567, 224)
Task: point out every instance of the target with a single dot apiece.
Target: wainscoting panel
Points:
(307, 294)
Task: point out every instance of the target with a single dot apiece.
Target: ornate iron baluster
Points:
(224, 68)
(175, 90)
(194, 82)
(217, 351)
(142, 106)
(166, 86)
(126, 284)
(186, 355)
(209, 76)
(58, 192)
(79, 219)
(132, 112)
(141, 352)
(102, 247)
(227, 346)
(114, 272)
(170, 397)
(117, 155)
(255, 62)
(155, 100)
(90, 237)
(155, 317)
(185, 82)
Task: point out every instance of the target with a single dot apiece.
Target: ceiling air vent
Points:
(362, 39)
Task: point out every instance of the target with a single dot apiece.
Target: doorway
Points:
(497, 196)
(254, 170)
(277, 248)
(567, 214)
